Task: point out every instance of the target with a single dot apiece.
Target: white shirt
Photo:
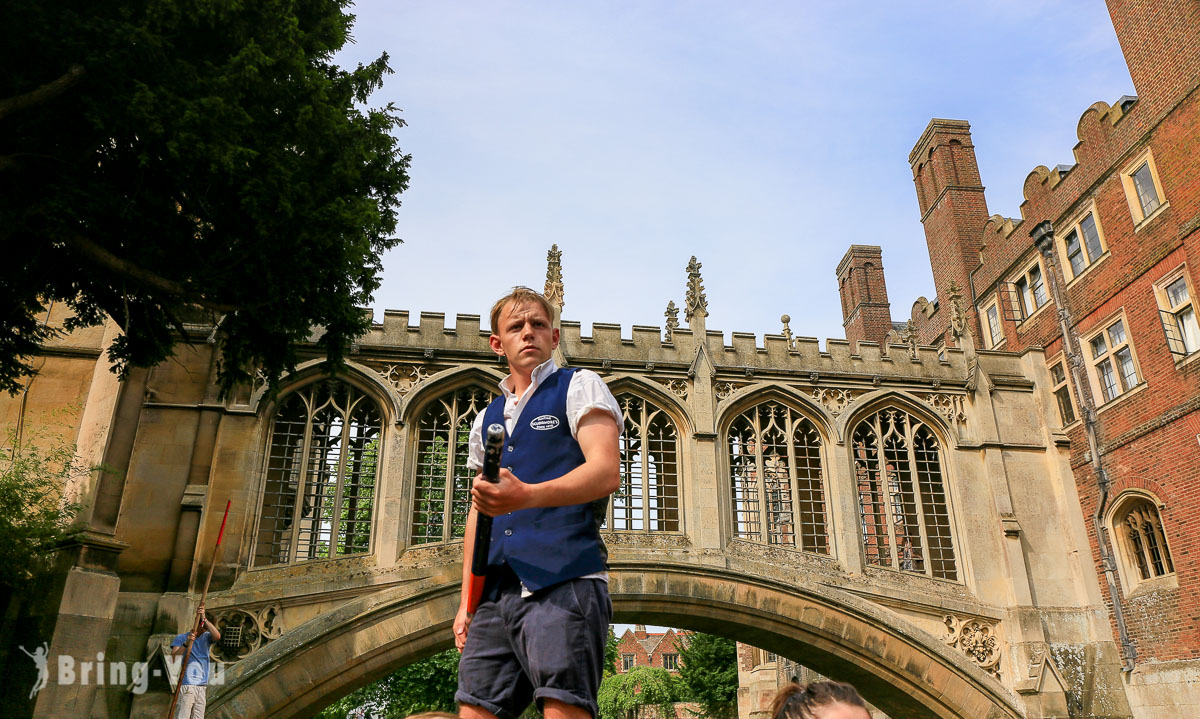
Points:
(585, 393)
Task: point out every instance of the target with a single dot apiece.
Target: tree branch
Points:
(142, 276)
(43, 94)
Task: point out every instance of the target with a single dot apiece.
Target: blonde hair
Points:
(517, 297)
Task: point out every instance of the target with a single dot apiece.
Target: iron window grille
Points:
(905, 520)
(442, 485)
(776, 478)
(319, 491)
(648, 497)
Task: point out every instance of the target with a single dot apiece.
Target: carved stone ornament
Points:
(876, 380)
(908, 336)
(245, 630)
(958, 315)
(787, 331)
(814, 377)
(677, 387)
(835, 400)
(554, 281)
(672, 315)
(976, 639)
(724, 390)
(404, 377)
(950, 406)
(697, 303)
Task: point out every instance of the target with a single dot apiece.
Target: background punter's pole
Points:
(187, 649)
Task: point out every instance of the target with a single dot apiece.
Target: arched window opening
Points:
(319, 491)
(905, 520)
(777, 444)
(648, 498)
(442, 492)
(1143, 541)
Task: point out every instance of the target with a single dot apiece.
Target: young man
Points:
(540, 630)
(192, 697)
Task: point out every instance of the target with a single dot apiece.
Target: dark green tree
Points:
(708, 668)
(175, 161)
(610, 653)
(425, 685)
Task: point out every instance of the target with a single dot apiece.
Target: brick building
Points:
(639, 648)
(1100, 270)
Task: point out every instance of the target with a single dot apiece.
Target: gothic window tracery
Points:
(319, 491)
(442, 483)
(648, 497)
(1144, 544)
(905, 520)
(776, 479)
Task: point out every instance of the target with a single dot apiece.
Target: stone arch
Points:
(362, 377)
(872, 401)
(1122, 503)
(746, 397)
(442, 382)
(654, 391)
(898, 667)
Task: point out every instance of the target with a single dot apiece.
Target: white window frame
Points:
(1109, 356)
(1022, 298)
(1076, 226)
(1180, 336)
(1061, 359)
(1140, 218)
(989, 330)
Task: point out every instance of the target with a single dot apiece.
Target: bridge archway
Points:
(901, 669)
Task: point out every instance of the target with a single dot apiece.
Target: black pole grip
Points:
(483, 523)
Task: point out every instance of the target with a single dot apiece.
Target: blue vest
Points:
(544, 545)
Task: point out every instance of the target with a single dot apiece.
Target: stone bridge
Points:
(897, 516)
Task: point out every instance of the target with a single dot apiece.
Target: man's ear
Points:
(494, 343)
(555, 336)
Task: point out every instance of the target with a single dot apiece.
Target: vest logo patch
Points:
(546, 421)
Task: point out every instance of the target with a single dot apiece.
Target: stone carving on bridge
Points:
(697, 302)
(835, 400)
(404, 377)
(672, 315)
(554, 282)
(950, 406)
(245, 630)
(677, 387)
(725, 390)
(977, 639)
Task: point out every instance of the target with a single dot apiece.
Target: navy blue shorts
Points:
(547, 646)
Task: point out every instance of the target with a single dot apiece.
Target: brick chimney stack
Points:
(866, 312)
(1161, 43)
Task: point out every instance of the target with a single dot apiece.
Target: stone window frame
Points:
(1093, 363)
(1169, 311)
(621, 393)
(1133, 197)
(627, 662)
(888, 497)
(1066, 385)
(433, 396)
(1076, 227)
(990, 308)
(1021, 311)
(824, 456)
(310, 385)
(1133, 580)
(670, 661)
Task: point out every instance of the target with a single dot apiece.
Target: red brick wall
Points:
(866, 312)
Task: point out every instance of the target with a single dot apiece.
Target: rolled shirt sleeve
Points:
(586, 393)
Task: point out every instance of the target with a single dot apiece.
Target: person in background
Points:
(192, 697)
(819, 700)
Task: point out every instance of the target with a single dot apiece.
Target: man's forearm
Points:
(468, 553)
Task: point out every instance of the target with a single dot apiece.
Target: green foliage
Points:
(708, 668)
(425, 685)
(33, 516)
(623, 695)
(610, 653)
(172, 161)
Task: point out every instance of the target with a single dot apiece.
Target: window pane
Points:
(1189, 332)
(1057, 375)
(648, 497)
(1027, 302)
(1128, 373)
(994, 325)
(1177, 292)
(1143, 182)
(1091, 238)
(1116, 333)
(1066, 411)
(933, 504)
(1108, 380)
(1075, 253)
(1039, 289)
(872, 510)
(1098, 346)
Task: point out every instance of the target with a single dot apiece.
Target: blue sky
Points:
(764, 138)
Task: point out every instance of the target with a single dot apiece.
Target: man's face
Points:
(524, 336)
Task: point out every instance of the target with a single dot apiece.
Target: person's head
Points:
(819, 700)
(522, 329)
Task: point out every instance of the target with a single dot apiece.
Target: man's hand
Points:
(507, 494)
(462, 623)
